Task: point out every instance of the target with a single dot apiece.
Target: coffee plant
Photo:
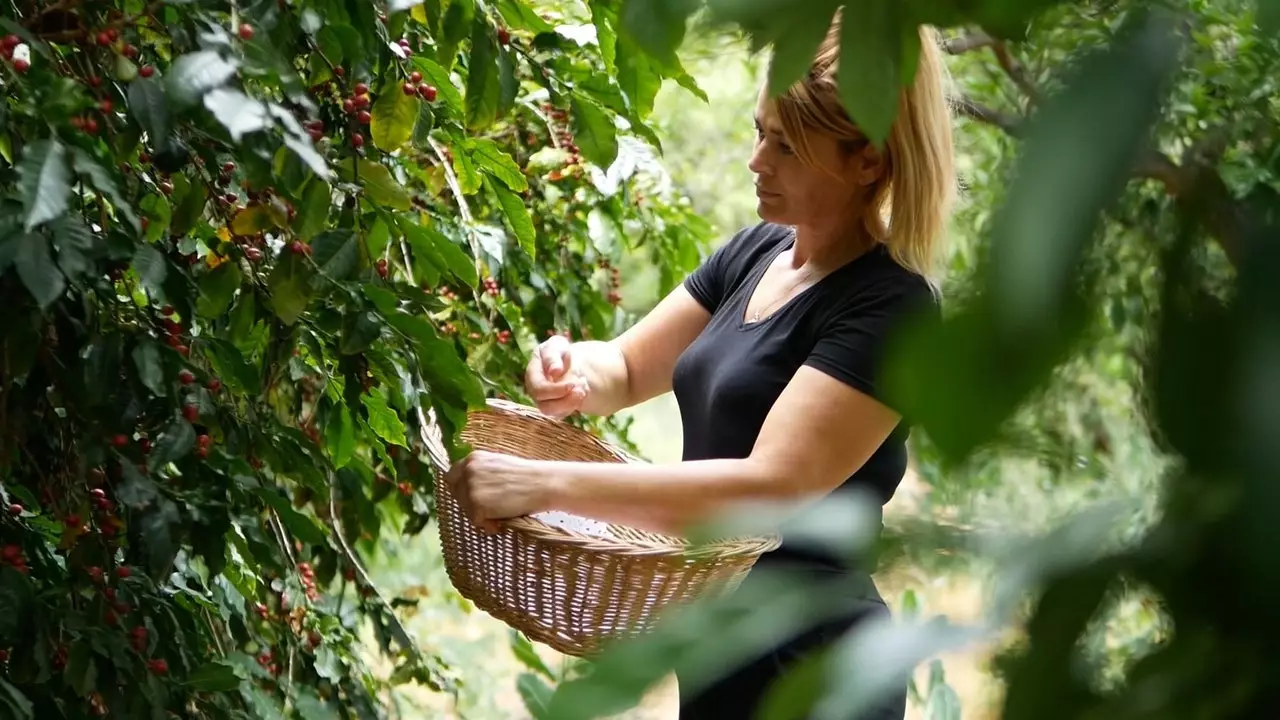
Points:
(246, 251)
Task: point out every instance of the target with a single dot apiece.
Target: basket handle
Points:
(433, 439)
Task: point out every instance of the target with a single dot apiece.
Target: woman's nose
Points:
(758, 162)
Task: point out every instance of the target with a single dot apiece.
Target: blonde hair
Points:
(911, 202)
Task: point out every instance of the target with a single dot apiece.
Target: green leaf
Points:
(426, 123)
(483, 83)
(359, 331)
(517, 215)
(194, 74)
(519, 15)
(873, 45)
(146, 357)
(213, 677)
(596, 135)
(104, 182)
(1080, 151)
(637, 78)
(447, 374)
(605, 19)
(528, 655)
(20, 708)
(490, 156)
(793, 696)
(46, 181)
(302, 527)
(290, 285)
(379, 185)
(384, 421)
(464, 166)
(339, 435)
(178, 439)
(1268, 15)
(76, 246)
(314, 212)
(190, 209)
(238, 113)
(255, 219)
(217, 290)
(536, 695)
(336, 254)
(81, 672)
(148, 105)
(36, 269)
(658, 26)
(439, 78)
(136, 490)
(394, 117)
(444, 253)
(508, 83)
(156, 530)
(149, 264)
(797, 44)
(15, 602)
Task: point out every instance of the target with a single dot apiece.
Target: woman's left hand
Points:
(493, 486)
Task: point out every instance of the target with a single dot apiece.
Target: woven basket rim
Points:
(638, 542)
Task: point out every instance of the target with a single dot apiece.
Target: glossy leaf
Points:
(150, 108)
(517, 216)
(483, 83)
(489, 156)
(151, 267)
(195, 74)
(146, 357)
(301, 526)
(37, 270)
(46, 182)
(238, 113)
(104, 182)
(438, 77)
(394, 117)
(873, 45)
(290, 288)
(595, 132)
(1078, 155)
(797, 45)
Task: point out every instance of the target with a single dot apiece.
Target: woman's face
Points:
(791, 192)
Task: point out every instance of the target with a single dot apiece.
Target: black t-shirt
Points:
(728, 379)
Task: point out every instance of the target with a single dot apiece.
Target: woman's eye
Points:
(786, 149)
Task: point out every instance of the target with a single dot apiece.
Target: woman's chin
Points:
(770, 213)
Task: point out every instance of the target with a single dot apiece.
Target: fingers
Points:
(555, 357)
(565, 404)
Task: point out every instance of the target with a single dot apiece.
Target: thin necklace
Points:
(784, 297)
(755, 316)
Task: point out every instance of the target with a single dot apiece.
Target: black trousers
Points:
(739, 695)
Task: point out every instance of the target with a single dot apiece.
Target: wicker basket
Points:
(571, 590)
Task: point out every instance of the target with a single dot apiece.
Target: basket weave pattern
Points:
(570, 590)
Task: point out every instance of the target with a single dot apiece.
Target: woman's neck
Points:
(825, 247)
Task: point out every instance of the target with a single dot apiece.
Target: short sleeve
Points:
(707, 282)
(852, 341)
(719, 276)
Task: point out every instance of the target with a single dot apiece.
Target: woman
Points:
(772, 347)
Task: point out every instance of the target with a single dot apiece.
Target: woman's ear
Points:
(867, 165)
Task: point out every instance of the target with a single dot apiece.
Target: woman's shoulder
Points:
(752, 240)
(887, 283)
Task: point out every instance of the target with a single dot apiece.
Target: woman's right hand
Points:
(551, 380)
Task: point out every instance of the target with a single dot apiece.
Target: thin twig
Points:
(967, 42)
(1010, 123)
(1016, 71)
(451, 179)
